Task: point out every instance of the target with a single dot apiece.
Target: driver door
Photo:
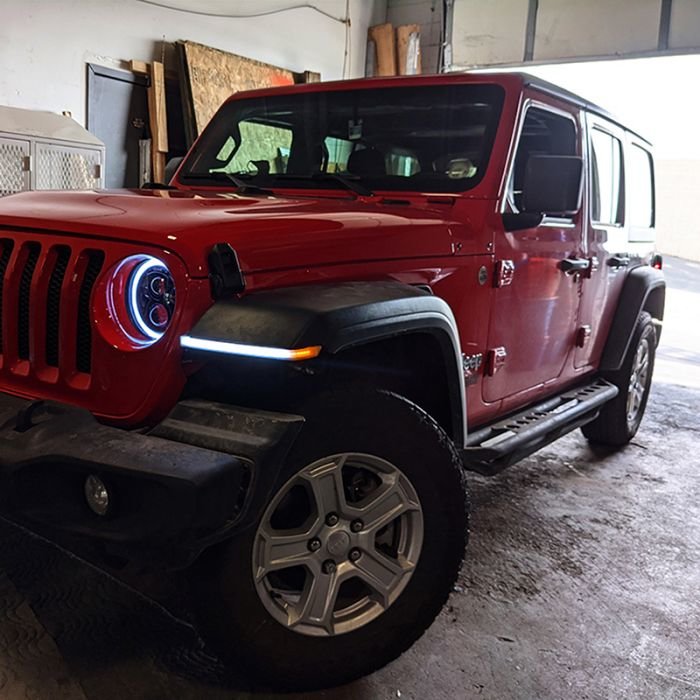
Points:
(535, 305)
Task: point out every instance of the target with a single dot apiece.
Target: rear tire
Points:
(256, 619)
(619, 419)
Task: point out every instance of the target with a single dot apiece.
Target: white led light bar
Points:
(260, 351)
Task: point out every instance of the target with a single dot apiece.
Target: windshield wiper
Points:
(350, 182)
(235, 178)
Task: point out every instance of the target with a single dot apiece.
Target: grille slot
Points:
(83, 354)
(6, 247)
(25, 284)
(53, 305)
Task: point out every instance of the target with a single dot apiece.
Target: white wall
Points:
(45, 44)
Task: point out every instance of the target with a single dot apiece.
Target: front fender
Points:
(339, 316)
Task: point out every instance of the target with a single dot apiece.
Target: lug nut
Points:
(314, 544)
(356, 525)
(355, 554)
(332, 519)
(328, 567)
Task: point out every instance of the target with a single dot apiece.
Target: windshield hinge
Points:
(225, 272)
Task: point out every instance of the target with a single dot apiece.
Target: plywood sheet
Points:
(214, 75)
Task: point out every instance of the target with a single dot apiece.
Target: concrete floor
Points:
(582, 581)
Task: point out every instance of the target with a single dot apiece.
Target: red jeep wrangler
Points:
(272, 373)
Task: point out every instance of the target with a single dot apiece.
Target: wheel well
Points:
(411, 365)
(654, 304)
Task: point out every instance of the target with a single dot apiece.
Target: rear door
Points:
(534, 312)
(613, 174)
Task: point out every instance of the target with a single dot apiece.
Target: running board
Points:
(495, 447)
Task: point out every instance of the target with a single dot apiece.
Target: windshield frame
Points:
(495, 92)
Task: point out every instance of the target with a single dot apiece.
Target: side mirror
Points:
(171, 166)
(553, 185)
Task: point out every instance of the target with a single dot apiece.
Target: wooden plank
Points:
(408, 48)
(186, 94)
(215, 75)
(158, 120)
(311, 77)
(138, 67)
(383, 37)
(157, 109)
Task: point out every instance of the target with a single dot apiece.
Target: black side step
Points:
(497, 446)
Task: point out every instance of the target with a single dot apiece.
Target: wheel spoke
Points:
(281, 551)
(326, 483)
(381, 573)
(317, 602)
(387, 503)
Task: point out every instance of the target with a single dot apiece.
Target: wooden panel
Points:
(214, 75)
(158, 120)
(383, 37)
(408, 48)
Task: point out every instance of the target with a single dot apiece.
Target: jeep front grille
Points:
(45, 313)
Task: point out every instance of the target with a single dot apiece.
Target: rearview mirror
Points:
(552, 185)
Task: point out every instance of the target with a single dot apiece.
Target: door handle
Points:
(618, 261)
(571, 266)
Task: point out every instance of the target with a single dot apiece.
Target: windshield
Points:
(435, 138)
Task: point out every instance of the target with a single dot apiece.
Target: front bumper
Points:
(168, 499)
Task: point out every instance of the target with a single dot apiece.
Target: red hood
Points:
(267, 232)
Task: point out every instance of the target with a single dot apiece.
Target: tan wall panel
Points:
(685, 24)
(677, 223)
(571, 28)
(489, 33)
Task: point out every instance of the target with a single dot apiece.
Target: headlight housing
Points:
(141, 299)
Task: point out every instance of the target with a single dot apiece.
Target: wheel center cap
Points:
(338, 543)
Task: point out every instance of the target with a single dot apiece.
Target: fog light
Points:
(96, 495)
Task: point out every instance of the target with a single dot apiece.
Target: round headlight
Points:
(140, 295)
(151, 298)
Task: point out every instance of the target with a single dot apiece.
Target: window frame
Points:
(507, 200)
(644, 233)
(601, 126)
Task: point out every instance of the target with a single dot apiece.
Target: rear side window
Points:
(606, 179)
(544, 133)
(640, 188)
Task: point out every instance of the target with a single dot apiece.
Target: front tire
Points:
(619, 419)
(354, 555)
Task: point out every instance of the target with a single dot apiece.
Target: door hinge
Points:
(504, 273)
(495, 359)
(582, 336)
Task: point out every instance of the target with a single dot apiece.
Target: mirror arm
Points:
(521, 220)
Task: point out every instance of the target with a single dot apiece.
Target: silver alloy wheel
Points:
(338, 544)
(638, 381)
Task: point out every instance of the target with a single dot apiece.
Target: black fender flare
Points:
(639, 285)
(338, 316)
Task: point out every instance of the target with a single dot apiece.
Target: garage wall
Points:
(677, 220)
(45, 44)
(501, 32)
(427, 13)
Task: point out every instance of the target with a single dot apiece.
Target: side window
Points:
(338, 151)
(640, 188)
(543, 133)
(607, 205)
(259, 143)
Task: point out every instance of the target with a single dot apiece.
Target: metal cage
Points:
(47, 151)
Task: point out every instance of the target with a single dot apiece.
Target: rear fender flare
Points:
(644, 288)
